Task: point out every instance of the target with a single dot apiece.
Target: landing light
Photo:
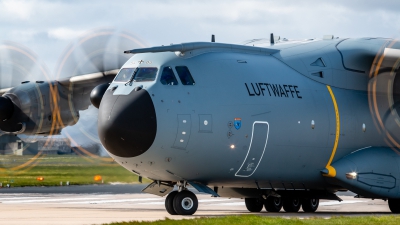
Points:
(351, 176)
(232, 146)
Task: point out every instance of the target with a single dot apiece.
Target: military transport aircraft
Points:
(279, 123)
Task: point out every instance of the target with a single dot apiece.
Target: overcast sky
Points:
(47, 27)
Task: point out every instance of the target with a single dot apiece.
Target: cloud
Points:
(47, 27)
(23, 35)
(17, 9)
(63, 33)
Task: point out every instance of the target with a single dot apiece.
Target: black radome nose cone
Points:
(127, 123)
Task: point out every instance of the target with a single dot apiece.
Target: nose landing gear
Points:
(181, 203)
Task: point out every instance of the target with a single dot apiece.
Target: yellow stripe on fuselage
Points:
(331, 170)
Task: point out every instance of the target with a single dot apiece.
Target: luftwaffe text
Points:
(276, 90)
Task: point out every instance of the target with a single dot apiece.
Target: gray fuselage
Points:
(273, 119)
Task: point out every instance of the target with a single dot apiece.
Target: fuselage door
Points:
(258, 143)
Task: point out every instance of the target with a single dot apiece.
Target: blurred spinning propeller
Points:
(384, 92)
(32, 103)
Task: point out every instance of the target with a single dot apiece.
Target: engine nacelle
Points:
(38, 108)
(370, 172)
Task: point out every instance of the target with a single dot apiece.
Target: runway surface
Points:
(112, 203)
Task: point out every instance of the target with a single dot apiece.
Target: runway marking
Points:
(214, 200)
(45, 200)
(230, 203)
(114, 201)
(14, 198)
(152, 203)
(339, 203)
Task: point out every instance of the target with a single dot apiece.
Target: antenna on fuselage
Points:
(271, 39)
(212, 38)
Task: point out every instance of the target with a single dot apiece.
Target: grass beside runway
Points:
(254, 220)
(18, 171)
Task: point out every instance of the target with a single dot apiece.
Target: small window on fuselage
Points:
(184, 75)
(168, 76)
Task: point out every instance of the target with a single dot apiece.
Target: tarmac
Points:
(98, 204)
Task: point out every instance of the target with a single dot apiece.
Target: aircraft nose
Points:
(127, 124)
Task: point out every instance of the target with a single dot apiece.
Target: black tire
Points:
(185, 203)
(169, 203)
(254, 204)
(394, 205)
(273, 204)
(310, 204)
(291, 204)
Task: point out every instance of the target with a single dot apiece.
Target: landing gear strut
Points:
(181, 203)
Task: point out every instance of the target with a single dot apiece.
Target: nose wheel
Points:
(181, 203)
(169, 203)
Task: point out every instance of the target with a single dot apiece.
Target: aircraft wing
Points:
(4, 90)
(30, 107)
(81, 86)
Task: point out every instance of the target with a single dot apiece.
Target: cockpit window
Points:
(145, 74)
(124, 74)
(168, 77)
(141, 74)
(184, 75)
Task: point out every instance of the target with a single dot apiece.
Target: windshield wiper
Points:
(132, 77)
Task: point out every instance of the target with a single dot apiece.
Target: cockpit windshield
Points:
(140, 74)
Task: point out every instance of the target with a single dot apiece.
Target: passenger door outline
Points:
(240, 172)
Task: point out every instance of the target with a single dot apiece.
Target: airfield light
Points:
(40, 178)
(351, 176)
(232, 146)
(98, 178)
